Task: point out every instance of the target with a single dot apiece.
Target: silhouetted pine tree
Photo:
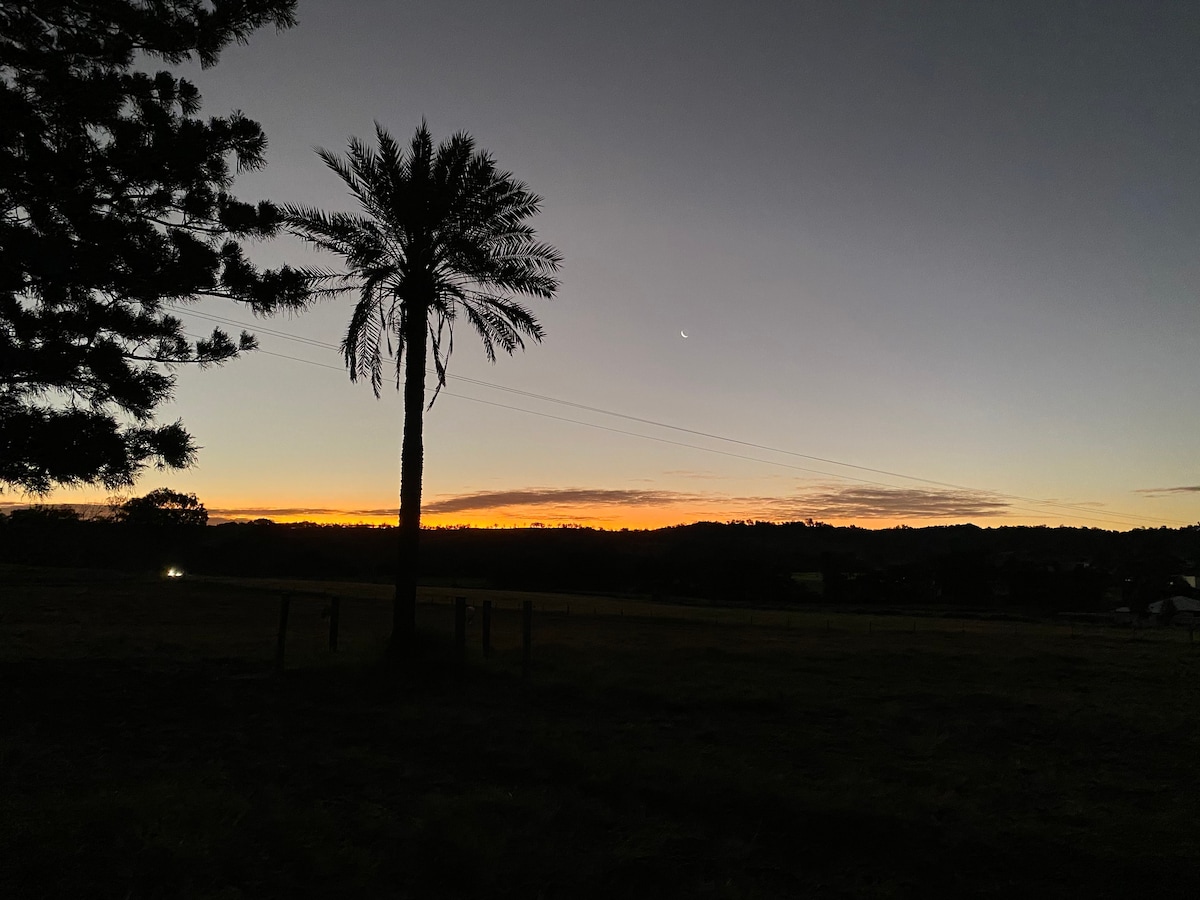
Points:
(114, 201)
(442, 237)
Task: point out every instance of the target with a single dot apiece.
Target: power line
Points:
(224, 321)
(1043, 505)
(769, 462)
(726, 453)
(945, 484)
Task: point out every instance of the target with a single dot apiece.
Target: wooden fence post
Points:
(526, 636)
(486, 628)
(285, 603)
(460, 633)
(335, 611)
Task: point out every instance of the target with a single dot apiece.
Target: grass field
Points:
(147, 749)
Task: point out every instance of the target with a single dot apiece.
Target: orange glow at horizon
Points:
(603, 518)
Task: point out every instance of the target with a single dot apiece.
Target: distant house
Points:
(1176, 604)
(1179, 610)
(1174, 610)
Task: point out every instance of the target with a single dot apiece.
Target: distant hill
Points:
(1037, 568)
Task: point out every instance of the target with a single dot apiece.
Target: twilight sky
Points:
(943, 240)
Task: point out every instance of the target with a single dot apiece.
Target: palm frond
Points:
(442, 341)
(360, 347)
(441, 221)
(483, 330)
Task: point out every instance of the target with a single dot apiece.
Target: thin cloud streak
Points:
(1159, 492)
(580, 497)
(887, 503)
(821, 502)
(82, 508)
(253, 512)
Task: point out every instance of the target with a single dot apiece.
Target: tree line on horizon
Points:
(116, 202)
(1013, 569)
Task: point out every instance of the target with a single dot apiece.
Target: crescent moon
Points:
(682, 334)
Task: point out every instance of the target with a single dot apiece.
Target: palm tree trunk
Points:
(412, 464)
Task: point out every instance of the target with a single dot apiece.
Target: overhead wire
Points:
(1042, 505)
(1079, 512)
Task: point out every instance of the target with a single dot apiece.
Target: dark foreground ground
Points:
(147, 750)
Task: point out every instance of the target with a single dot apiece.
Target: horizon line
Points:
(217, 519)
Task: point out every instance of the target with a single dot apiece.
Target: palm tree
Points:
(441, 236)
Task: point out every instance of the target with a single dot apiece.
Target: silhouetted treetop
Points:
(114, 203)
(163, 508)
